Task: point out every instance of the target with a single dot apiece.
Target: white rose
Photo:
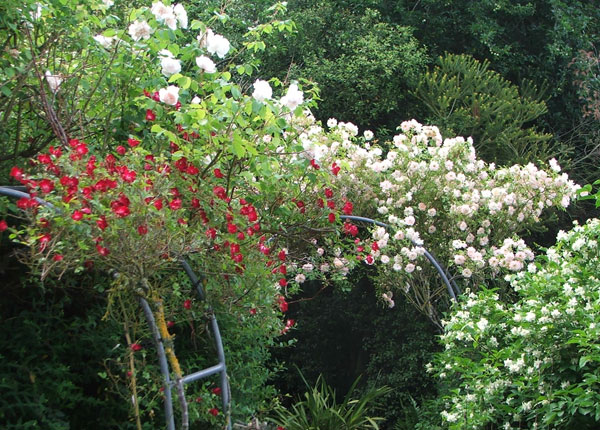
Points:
(170, 65)
(206, 64)
(169, 95)
(181, 15)
(54, 81)
(106, 42)
(293, 97)
(139, 30)
(308, 267)
(161, 11)
(338, 263)
(203, 38)
(368, 134)
(262, 90)
(217, 44)
(171, 22)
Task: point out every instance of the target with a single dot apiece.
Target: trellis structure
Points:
(220, 368)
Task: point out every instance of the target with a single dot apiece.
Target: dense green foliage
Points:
(320, 410)
(363, 65)
(369, 59)
(345, 334)
(463, 97)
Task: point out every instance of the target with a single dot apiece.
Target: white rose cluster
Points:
(215, 44)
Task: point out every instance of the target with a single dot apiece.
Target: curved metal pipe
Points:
(195, 281)
(19, 193)
(220, 368)
(438, 267)
(164, 366)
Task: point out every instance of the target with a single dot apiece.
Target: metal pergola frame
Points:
(219, 368)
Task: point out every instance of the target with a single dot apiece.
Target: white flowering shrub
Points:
(436, 194)
(536, 363)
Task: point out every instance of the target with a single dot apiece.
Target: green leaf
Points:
(174, 48)
(184, 82)
(175, 77)
(237, 146)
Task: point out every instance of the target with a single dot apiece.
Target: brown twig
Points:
(51, 116)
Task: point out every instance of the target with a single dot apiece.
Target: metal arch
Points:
(450, 284)
(221, 368)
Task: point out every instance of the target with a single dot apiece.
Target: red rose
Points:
(128, 175)
(347, 209)
(3, 225)
(150, 116)
(281, 255)
(187, 304)
(175, 204)
(77, 216)
(216, 391)
(218, 173)
(44, 159)
(142, 229)
(121, 211)
(101, 223)
(283, 305)
(335, 169)
(135, 347)
(328, 193)
(331, 217)
(46, 186)
(16, 173)
(211, 233)
(55, 151)
(220, 192)
(213, 411)
(133, 142)
(102, 250)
